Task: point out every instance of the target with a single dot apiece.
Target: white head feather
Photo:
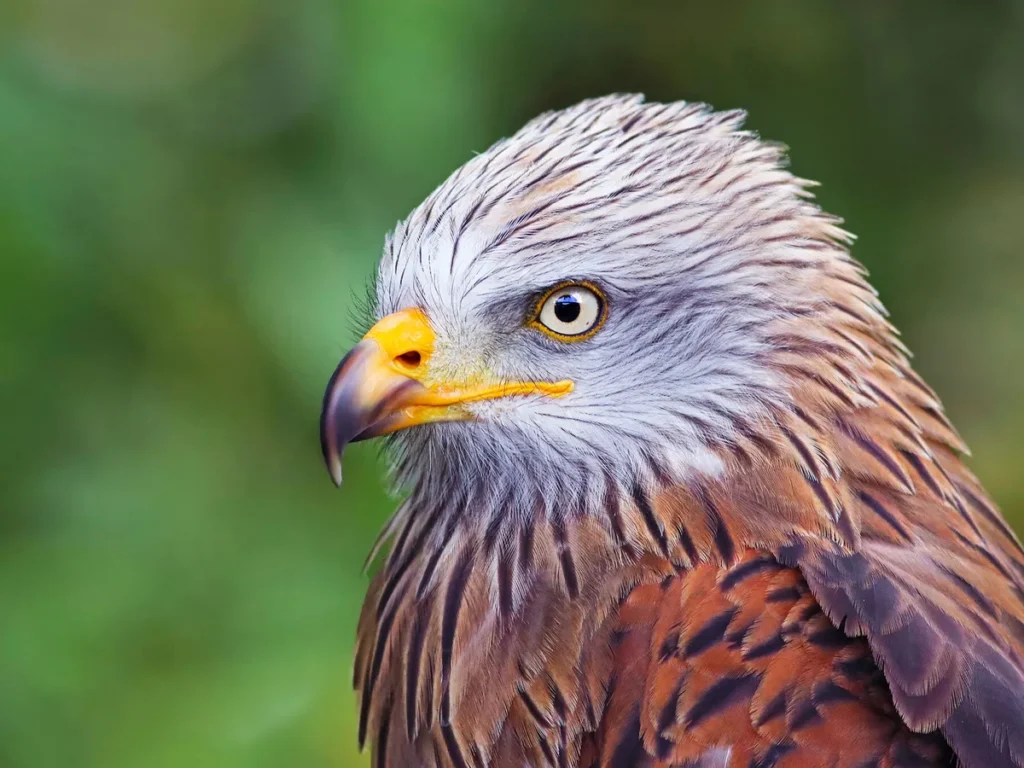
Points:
(700, 239)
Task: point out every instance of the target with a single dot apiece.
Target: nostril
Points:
(410, 359)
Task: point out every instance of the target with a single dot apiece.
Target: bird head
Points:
(604, 297)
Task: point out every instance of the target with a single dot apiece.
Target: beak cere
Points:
(384, 385)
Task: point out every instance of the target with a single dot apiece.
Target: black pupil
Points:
(567, 308)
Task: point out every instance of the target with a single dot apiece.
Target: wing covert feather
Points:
(741, 666)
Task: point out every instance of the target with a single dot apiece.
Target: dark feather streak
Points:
(723, 540)
(711, 633)
(449, 623)
(414, 658)
(720, 695)
(748, 568)
(643, 505)
(565, 559)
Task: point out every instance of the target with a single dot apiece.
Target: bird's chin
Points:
(393, 422)
(412, 418)
(377, 429)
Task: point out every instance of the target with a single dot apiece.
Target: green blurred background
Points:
(193, 194)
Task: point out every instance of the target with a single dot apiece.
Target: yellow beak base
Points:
(383, 385)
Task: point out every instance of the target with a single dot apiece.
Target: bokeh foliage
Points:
(192, 196)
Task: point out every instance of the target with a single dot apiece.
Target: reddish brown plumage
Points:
(743, 656)
(565, 642)
(843, 593)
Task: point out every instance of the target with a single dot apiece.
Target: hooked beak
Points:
(384, 384)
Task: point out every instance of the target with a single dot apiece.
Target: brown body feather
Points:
(559, 639)
(844, 593)
(742, 660)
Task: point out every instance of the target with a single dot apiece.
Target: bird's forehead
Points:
(488, 244)
(611, 189)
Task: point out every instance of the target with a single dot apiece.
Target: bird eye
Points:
(571, 312)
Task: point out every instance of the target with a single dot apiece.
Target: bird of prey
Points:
(675, 496)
